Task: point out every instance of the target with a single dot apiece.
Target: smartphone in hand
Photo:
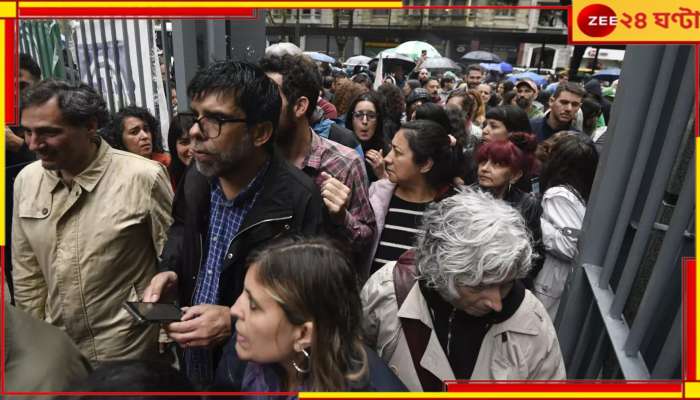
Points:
(153, 312)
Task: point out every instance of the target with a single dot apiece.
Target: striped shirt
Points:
(400, 228)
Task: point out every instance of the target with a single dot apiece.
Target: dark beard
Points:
(523, 103)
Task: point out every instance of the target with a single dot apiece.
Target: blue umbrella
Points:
(609, 74)
(316, 56)
(505, 67)
(538, 79)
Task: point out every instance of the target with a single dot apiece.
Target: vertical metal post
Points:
(77, 54)
(185, 51)
(108, 74)
(672, 142)
(664, 266)
(130, 89)
(88, 59)
(606, 218)
(96, 57)
(670, 357)
(584, 340)
(166, 61)
(117, 65)
(216, 41)
(139, 57)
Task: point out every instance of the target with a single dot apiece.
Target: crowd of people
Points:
(320, 230)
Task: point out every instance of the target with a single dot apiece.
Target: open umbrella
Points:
(480, 56)
(392, 58)
(358, 60)
(505, 67)
(538, 79)
(414, 48)
(441, 63)
(316, 56)
(609, 74)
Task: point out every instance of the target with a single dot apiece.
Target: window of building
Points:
(504, 12)
(380, 12)
(459, 11)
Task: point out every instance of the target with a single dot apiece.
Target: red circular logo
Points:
(597, 20)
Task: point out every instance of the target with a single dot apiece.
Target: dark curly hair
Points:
(300, 78)
(115, 132)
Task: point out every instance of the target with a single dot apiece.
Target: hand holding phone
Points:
(153, 312)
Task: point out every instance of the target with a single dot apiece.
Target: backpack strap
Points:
(417, 334)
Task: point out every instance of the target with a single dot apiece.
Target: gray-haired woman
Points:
(453, 308)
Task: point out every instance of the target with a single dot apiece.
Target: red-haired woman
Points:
(501, 163)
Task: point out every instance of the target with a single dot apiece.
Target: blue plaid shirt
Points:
(225, 220)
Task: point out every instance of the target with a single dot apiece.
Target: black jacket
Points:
(530, 207)
(289, 203)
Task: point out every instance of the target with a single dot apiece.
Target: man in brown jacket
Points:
(88, 225)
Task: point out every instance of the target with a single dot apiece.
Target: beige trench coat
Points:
(79, 253)
(531, 351)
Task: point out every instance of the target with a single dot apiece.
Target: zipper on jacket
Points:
(196, 281)
(449, 330)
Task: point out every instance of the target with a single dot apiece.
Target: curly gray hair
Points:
(471, 239)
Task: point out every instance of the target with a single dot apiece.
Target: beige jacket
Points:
(78, 253)
(530, 352)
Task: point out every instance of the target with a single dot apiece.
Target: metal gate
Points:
(621, 315)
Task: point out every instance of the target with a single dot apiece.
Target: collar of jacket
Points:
(91, 175)
(416, 307)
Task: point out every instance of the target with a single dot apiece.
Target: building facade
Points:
(516, 35)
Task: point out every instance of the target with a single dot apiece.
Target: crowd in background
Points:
(324, 229)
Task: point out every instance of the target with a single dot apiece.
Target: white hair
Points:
(471, 239)
(280, 49)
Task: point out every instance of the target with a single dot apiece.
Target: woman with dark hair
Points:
(566, 180)
(508, 98)
(501, 164)
(421, 166)
(179, 144)
(433, 112)
(366, 119)
(501, 121)
(135, 129)
(299, 325)
(395, 106)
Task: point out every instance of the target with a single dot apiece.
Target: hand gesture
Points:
(376, 160)
(336, 196)
(161, 283)
(201, 325)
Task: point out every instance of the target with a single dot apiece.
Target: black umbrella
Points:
(480, 56)
(391, 59)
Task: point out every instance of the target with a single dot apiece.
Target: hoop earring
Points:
(308, 363)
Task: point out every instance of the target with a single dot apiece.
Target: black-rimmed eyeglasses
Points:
(209, 125)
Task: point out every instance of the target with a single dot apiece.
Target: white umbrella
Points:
(358, 60)
(414, 48)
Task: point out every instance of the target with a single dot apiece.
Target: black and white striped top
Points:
(400, 228)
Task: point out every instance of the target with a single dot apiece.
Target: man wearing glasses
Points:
(337, 170)
(240, 195)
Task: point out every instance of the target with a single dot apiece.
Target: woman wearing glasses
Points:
(366, 119)
(421, 166)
